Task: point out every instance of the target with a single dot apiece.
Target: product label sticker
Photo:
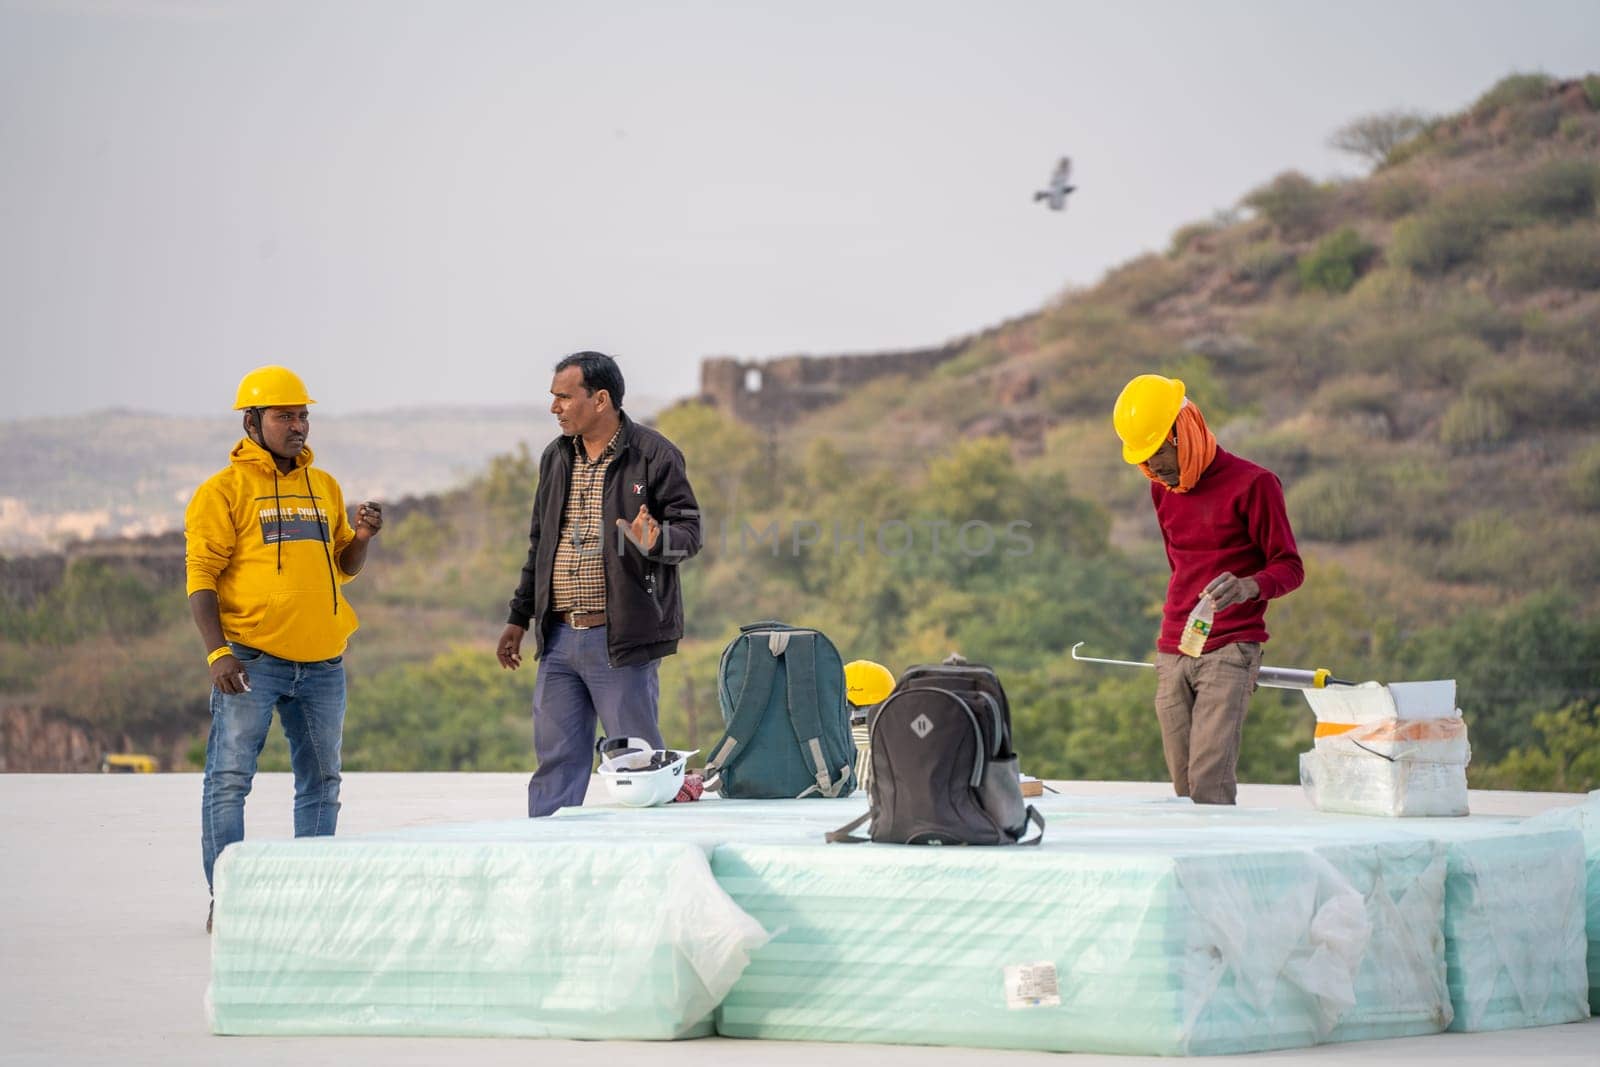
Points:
(1032, 985)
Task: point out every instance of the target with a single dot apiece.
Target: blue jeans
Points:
(575, 687)
(309, 698)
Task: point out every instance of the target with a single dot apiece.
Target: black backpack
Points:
(943, 770)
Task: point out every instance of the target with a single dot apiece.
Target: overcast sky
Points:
(428, 203)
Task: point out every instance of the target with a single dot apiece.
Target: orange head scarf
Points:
(1197, 447)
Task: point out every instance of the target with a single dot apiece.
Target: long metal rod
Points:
(1271, 677)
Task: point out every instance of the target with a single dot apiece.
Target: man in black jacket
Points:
(613, 517)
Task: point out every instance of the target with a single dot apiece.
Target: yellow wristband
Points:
(218, 653)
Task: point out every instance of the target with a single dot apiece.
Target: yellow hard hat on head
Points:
(866, 683)
(1144, 413)
(271, 387)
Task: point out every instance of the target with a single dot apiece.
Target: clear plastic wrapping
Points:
(1139, 926)
(505, 938)
(1585, 818)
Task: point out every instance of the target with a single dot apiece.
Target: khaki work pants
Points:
(1201, 704)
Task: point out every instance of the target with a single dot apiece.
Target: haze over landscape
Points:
(426, 204)
(1403, 333)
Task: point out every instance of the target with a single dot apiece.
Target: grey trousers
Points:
(575, 687)
(1201, 704)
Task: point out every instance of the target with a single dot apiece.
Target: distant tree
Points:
(1373, 137)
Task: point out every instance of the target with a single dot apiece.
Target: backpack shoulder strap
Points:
(843, 836)
(800, 659)
(748, 705)
(1038, 820)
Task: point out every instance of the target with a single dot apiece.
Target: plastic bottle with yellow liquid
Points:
(1198, 628)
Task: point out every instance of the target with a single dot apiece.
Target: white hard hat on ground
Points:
(638, 774)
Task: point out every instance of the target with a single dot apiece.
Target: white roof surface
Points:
(104, 956)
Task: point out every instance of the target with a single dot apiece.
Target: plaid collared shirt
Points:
(579, 581)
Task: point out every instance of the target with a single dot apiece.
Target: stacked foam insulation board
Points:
(1513, 914)
(1133, 937)
(1139, 926)
(557, 939)
(1584, 818)
(1514, 929)
(1514, 902)
(1399, 749)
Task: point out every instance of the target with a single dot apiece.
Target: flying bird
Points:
(1056, 195)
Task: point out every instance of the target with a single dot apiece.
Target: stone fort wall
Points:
(778, 391)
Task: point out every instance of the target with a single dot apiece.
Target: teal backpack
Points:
(788, 732)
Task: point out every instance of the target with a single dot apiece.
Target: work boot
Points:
(210, 910)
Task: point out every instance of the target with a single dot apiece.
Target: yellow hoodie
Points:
(269, 544)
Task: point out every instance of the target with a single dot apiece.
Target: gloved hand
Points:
(693, 785)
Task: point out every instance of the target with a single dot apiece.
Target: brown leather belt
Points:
(582, 620)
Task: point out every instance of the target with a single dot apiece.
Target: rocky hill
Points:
(1411, 351)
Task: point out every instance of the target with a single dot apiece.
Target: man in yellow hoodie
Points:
(268, 548)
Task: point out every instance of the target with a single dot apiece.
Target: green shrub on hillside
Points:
(1473, 422)
(1398, 196)
(1511, 90)
(1539, 391)
(1454, 229)
(1305, 338)
(978, 356)
(1283, 451)
(1186, 235)
(1477, 316)
(1295, 204)
(1537, 121)
(1262, 261)
(1484, 547)
(1447, 234)
(1591, 90)
(1336, 262)
(1574, 331)
(1340, 505)
(1358, 394)
(1385, 289)
(1548, 257)
(1448, 360)
(1583, 478)
(1145, 282)
(1559, 190)
(1575, 127)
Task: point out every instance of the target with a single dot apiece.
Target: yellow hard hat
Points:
(866, 683)
(271, 387)
(1144, 413)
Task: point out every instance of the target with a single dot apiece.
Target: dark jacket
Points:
(644, 602)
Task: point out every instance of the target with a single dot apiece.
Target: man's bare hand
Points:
(509, 650)
(369, 520)
(644, 531)
(229, 676)
(1225, 590)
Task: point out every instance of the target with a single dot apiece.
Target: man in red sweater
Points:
(1227, 537)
